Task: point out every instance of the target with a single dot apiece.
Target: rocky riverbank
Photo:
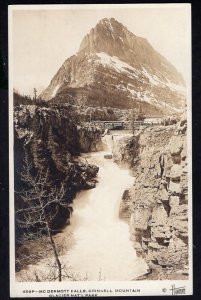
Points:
(157, 205)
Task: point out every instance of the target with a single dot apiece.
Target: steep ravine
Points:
(156, 207)
(96, 231)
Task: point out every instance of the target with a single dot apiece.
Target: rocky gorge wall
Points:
(156, 207)
(53, 141)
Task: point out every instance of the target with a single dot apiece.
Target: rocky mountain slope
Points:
(115, 68)
(157, 206)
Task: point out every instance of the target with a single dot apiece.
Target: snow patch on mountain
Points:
(55, 90)
(121, 39)
(143, 96)
(153, 79)
(116, 64)
(176, 87)
(132, 91)
(119, 66)
(148, 98)
(121, 87)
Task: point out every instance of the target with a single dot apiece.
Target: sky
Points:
(41, 39)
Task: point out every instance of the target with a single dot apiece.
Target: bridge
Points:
(123, 125)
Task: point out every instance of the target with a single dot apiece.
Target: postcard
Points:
(100, 150)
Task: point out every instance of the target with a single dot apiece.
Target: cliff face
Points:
(158, 202)
(54, 142)
(115, 68)
(115, 39)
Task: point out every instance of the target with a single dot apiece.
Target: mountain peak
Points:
(106, 31)
(110, 22)
(112, 25)
(116, 68)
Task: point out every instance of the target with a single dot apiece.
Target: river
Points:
(102, 249)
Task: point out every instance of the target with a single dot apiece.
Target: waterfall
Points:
(101, 238)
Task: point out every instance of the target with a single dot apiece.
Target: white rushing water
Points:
(102, 248)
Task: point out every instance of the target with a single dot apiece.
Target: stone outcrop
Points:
(124, 209)
(126, 150)
(158, 202)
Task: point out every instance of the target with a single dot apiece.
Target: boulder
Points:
(174, 188)
(176, 145)
(176, 172)
(108, 156)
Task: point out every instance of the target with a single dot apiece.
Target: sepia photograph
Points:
(100, 150)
